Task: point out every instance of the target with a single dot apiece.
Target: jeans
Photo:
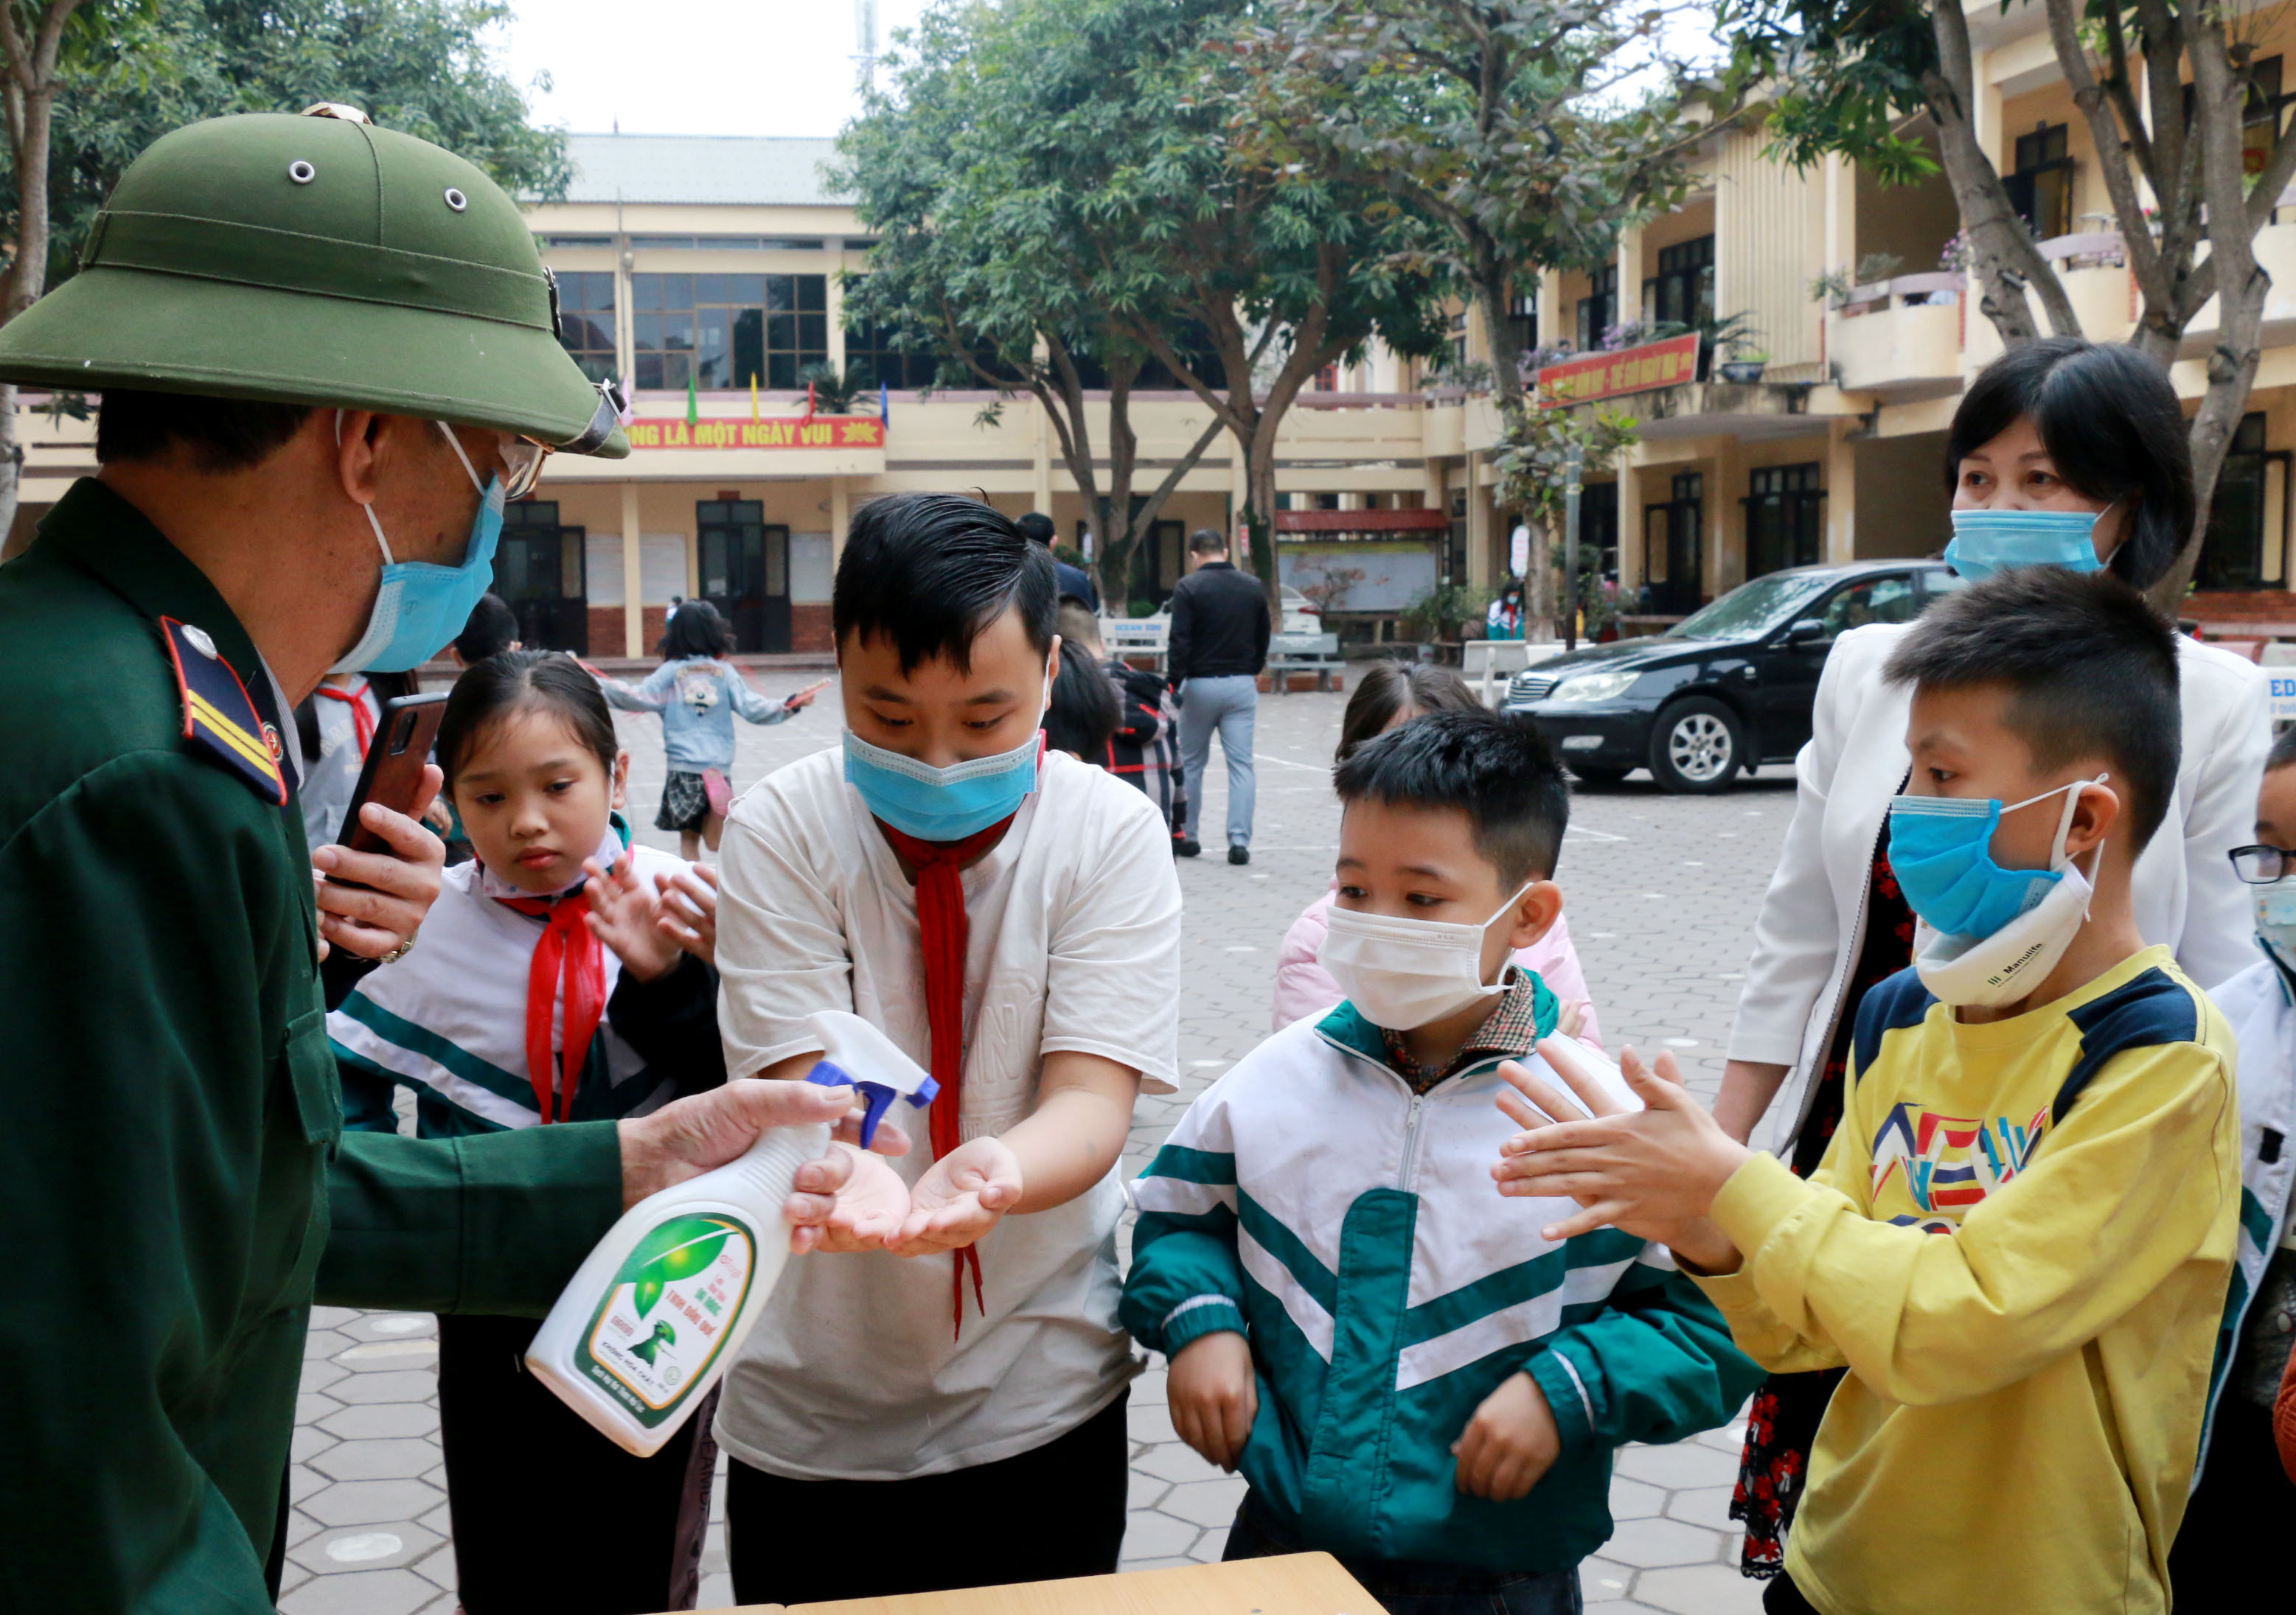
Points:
(1228, 703)
(1408, 1587)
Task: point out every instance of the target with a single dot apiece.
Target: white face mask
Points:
(2275, 921)
(1401, 973)
(1986, 972)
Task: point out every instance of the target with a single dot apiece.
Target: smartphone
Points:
(392, 773)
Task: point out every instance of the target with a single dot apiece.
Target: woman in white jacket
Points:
(2060, 425)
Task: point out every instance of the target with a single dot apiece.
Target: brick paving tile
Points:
(1661, 893)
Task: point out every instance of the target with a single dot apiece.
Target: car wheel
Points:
(1596, 775)
(1697, 746)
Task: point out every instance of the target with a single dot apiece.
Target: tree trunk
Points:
(30, 92)
(2005, 261)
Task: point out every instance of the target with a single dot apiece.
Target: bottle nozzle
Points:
(876, 1097)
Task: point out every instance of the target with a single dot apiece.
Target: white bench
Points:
(1482, 660)
(1290, 654)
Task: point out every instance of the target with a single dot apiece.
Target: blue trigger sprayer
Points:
(659, 1311)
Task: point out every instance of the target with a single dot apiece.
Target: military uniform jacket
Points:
(171, 1145)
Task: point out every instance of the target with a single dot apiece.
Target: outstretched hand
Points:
(1653, 1172)
(961, 1197)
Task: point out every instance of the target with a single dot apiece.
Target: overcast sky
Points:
(692, 67)
(742, 67)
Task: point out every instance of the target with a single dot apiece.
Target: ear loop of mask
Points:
(2058, 857)
(454, 443)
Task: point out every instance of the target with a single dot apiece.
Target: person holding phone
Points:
(314, 408)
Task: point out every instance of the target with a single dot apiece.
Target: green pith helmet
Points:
(316, 260)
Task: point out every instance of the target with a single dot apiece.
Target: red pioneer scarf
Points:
(567, 953)
(942, 930)
(362, 718)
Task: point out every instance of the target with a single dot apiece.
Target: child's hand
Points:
(623, 915)
(1214, 1396)
(871, 1204)
(1509, 1444)
(1571, 1018)
(689, 910)
(1653, 1172)
(961, 1197)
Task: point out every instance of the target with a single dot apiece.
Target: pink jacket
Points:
(1303, 988)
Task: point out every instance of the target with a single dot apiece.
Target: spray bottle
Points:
(659, 1311)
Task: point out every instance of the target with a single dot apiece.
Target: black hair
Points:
(2283, 753)
(1039, 527)
(928, 571)
(1083, 714)
(491, 629)
(1205, 541)
(1387, 688)
(2111, 422)
(694, 629)
(220, 434)
(2091, 670)
(1493, 766)
(512, 681)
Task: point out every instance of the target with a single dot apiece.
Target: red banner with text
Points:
(1607, 375)
(822, 432)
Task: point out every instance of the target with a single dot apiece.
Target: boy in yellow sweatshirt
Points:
(2019, 1238)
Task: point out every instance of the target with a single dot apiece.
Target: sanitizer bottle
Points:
(656, 1313)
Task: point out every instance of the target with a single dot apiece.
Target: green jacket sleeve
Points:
(158, 1192)
(1655, 1365)
(1186, 1280)
(491, 1223)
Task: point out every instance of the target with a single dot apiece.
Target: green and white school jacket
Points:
(1351, 1230)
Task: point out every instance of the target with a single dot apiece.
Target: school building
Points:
(715, 262)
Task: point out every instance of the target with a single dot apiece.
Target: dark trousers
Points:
(1408, 1587)
(1055, 1511)
(2243, 1503)
(1781, 1597)
(549, 1515)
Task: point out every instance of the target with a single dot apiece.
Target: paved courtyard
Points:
(1662, 897)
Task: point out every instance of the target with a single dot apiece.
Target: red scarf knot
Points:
(942, 933)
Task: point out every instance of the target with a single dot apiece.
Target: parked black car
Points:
(1728, 688)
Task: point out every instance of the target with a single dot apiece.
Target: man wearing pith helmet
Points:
(326, 353)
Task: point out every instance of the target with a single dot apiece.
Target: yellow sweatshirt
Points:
(2018, 1243)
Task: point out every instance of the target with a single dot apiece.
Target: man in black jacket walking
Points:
(1219, 644)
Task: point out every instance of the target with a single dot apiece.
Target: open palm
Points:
(964, 1194)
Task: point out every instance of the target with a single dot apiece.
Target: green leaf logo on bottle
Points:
(664, 1318)
(679, 1249)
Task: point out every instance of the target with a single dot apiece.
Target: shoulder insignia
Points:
(219, 716)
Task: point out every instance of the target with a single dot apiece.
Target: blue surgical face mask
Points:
(1941, 851)
(942, 803)
(2275, 921)
(420, 606)
(1986, 541)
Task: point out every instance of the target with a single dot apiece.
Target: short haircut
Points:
(695, 629)
(517, 681)
(2283, 753)
(1083, 714)
(1387, 688)
(1206, 541)
(492, 628)
(219, 434)
(1493, 766)
(2090, 668)
(2111, 422)
(1078, 624)
(927, 572)
(1039, 527)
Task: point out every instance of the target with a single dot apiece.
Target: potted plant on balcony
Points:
(1745, 365)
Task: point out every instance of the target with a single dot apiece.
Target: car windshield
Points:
(1751, 608)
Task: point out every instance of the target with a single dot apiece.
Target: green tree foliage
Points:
(1000, 254)
(137, 71)
(1504, 123)
(2166, 90)
(1530, 463)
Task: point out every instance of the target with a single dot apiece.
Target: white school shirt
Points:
(1073, 943)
